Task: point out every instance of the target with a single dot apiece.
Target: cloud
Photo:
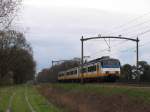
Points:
(126, 6)
(55, 30)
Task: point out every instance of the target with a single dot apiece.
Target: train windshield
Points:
(110, 64)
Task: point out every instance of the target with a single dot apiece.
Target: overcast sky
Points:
(54, 28)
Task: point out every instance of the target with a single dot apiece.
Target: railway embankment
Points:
(97, 97)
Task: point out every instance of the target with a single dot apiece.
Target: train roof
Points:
(100, 60)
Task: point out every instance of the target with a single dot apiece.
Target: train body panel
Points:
(95, 69)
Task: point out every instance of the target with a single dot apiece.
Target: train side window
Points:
(84, 70)
(89, 69)
(62, 74)
(92, 68)
(71, 73)
(75, 72)
(65, 73)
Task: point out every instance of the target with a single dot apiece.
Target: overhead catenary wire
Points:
(107, 44)
(127, 30)
(106, 50)
(140, 34)
(136, 31)
(129, 27)
(133, 48)
(136, 25)
(127, 24)
(123, 51)
(134, 20)
(130, 21)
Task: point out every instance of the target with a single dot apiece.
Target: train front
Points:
(111, 69)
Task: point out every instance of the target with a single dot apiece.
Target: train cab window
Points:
(112, 63)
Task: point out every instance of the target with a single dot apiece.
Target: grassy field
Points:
(107, 89)
(5, 94)
(74, 97)
(24, 99)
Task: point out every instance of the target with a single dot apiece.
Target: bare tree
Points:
(8, 9)
(17, 64)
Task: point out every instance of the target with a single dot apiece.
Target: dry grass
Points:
(81, 99)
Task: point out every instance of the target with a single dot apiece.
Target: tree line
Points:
(17, 65)
(130, 73)
(16, 58)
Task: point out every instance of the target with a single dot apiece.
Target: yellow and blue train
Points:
(101, 69)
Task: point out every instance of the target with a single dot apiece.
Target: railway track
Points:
(28, 102)
(12, 98)
(9, 109)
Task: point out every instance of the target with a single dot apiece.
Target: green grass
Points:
(5, 94)
(39, 103)
(19, 103)
(132, 92)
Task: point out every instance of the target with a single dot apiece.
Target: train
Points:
(100, 69)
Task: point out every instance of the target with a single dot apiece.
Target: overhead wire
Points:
(143, 32)
(133, 48)
(129, 27)
(123, 26)
(130, 21)
(127, 30)
(140, 34)
(106, 50)
(136, 30)
(133, 20)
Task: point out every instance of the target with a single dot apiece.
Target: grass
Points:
(19, 103)
(39, 103)
(5, 94)
(132, 92)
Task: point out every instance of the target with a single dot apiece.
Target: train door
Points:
(97, 68)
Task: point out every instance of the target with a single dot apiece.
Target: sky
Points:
(54, 28)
